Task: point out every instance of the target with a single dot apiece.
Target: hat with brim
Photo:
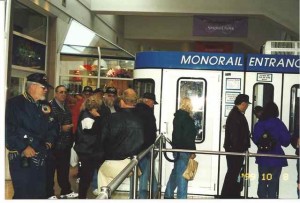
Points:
(87, 90)
(151, 96)
(242, 98)
(40, 78)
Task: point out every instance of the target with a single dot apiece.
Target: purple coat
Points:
(280, 133)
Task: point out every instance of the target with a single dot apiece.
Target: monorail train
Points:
(212, 81)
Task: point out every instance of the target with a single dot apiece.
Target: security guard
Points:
(29, 133)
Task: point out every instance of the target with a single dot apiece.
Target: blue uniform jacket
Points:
(25, 117)
(280, 133)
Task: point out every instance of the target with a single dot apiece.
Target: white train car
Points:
(212, 81)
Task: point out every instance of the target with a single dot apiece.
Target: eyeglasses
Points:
(41, 86)
(62, 92)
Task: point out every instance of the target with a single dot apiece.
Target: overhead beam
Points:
(285, 12)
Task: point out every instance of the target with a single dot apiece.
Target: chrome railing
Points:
(106, 191)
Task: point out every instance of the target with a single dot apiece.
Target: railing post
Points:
(135, 179)
(152, 174)
(246, 172)
(159, 176)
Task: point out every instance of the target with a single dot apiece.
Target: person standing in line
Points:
(88, 143)
(61, 152)
(30, 130)
(237, 139)
(258, 110)
(123, 137)
(107, 108)
(269, 168)
(183, 137)
(146, 111)
(86, 92)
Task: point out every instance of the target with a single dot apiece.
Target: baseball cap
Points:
(98, 90)
(111, 90)
(87, 89)
(39, 78)
(241, 98)
(149, 95)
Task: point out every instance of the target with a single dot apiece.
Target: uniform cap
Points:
(87, 89)
(111, 90)
(39, 78)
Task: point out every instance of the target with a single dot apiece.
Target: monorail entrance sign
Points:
(218, 61)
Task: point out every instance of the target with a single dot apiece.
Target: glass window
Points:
(28, 53)
(30, 23)
(195, 89)
(143, 85)
(294, 109)
(263, 93)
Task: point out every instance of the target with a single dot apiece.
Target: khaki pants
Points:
(109, 170)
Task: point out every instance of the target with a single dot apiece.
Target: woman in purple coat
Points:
(269, 168)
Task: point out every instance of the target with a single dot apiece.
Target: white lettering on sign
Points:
(212, 60)
(274, 62)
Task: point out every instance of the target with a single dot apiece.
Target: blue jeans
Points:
(144, 165)
(268, 182)
(94, 183)
(176, 180)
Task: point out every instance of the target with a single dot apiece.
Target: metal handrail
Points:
(106, 191)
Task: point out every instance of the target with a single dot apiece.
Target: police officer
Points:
(29, 131)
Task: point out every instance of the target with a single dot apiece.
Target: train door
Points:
(204, 89)
(290, 116)
(262, 87)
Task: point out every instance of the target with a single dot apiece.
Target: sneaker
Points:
(95, 192)
(71, 195)
(52, 197)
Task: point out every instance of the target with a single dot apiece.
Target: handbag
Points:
(266, 143)
(191, 169)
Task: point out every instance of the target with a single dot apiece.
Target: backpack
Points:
(266, 143)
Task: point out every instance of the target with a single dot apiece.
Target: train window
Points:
(294, 109)
(143, 85)
(195, 89)
(263, 93)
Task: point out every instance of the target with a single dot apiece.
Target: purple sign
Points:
(220, 26)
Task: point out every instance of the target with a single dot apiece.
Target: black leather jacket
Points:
(88, 141)
(123, 135)
(237, 134)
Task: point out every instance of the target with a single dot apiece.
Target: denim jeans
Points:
(144, 165)
(94, 183)
(176, 180)
(268, 183)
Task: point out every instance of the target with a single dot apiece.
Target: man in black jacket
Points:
(237, 139)
(145, 111)
(122, 138)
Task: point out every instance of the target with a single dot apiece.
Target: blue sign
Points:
(189, 60)
(273, 63)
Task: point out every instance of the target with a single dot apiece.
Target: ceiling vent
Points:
(282, 48)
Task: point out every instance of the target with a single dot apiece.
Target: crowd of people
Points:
(106, 130)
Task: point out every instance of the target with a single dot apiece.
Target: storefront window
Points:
(79, 62)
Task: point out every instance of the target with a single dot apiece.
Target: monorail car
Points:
(212, 81)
